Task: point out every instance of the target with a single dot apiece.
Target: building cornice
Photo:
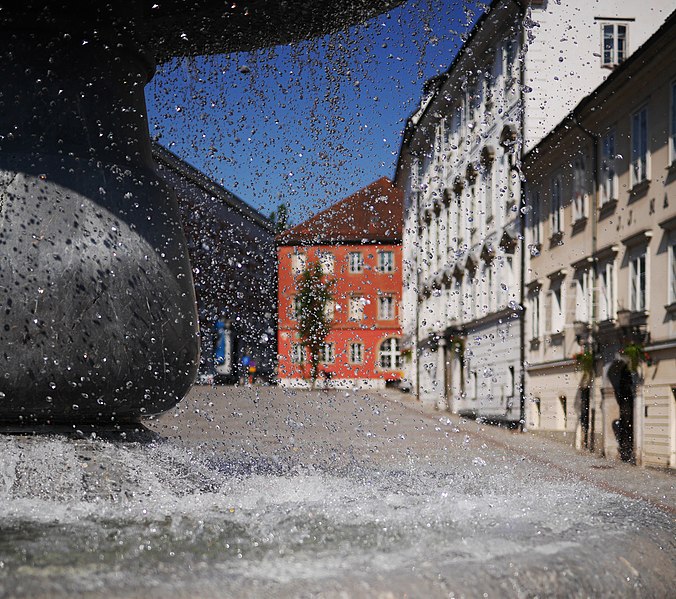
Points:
(638, 238)
(550, 365)
(607, 252)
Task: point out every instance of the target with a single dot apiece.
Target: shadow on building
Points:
(233, 256)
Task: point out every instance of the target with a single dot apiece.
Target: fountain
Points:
(99, 321)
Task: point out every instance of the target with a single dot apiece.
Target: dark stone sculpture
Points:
(98, 309)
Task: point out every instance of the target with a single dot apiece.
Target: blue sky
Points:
(311, 123)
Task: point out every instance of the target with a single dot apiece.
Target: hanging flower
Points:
(585, 361)
(636, 354)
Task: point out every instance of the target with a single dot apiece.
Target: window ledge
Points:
(579, 224)
(639, 189)
(607, 208)
(556, 238)
(556, 338)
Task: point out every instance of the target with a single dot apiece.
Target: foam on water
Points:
(89, 514)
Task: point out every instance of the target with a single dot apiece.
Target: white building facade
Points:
(524, 67)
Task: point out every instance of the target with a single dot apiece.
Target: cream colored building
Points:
(524, 66)
(601, 241)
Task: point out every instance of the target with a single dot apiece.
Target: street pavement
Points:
(264, 492)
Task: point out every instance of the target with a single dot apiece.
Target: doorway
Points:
(623, 385)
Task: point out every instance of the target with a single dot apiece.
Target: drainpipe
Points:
(593, 217)
(416, 354)
(522, 220)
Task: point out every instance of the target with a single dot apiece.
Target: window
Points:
(607, 291)
(488, 183)
(608, 172)
(456, 124)
(295, 307)
(329, 310)
(672, 272)
(489, 295)
(298, 261)
(672, 136)
(535, 315)
(385, 261)
(535, 215)
(389, 354)
(510, 60)
(328, 353)
(639, 146)
(556, 216)
(474, 102)
(555, 312)
(583, 296)
(579, 190)
(386, 307)
(327, 261)
(356, 262)
(297, 353)
(356, 353)
(637, 290)
(470, 300)
(471, 213)
(614, 49)
(356, 307)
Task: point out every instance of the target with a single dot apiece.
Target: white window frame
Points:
(535, 215)
(556, 216)
(356, 353)
(672, 128)
(640, 152)
(607, 290)
(672, 272)
(389, 351)
(328, 353)
(471, 213)
(386, 307)
(557, 308)
(617, 53)
(638, 282)
(583, 296)
(356, 308)
(580, 196)
(298, 262)
(511, 52)
(329, 310)
(489, 195)
(608, 168)
(536, 315)
(295, 307)
(355, 262)
(327, 262)
(297, 353)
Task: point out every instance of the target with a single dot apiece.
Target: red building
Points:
(358, 242)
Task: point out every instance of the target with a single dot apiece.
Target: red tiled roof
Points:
(373, 214)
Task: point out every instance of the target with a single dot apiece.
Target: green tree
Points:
(280, 218)
(315, 292)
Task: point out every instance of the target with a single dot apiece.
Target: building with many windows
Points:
(358, 243)
(601, 287)
(524, 66)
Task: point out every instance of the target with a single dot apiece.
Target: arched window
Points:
(389, 353)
